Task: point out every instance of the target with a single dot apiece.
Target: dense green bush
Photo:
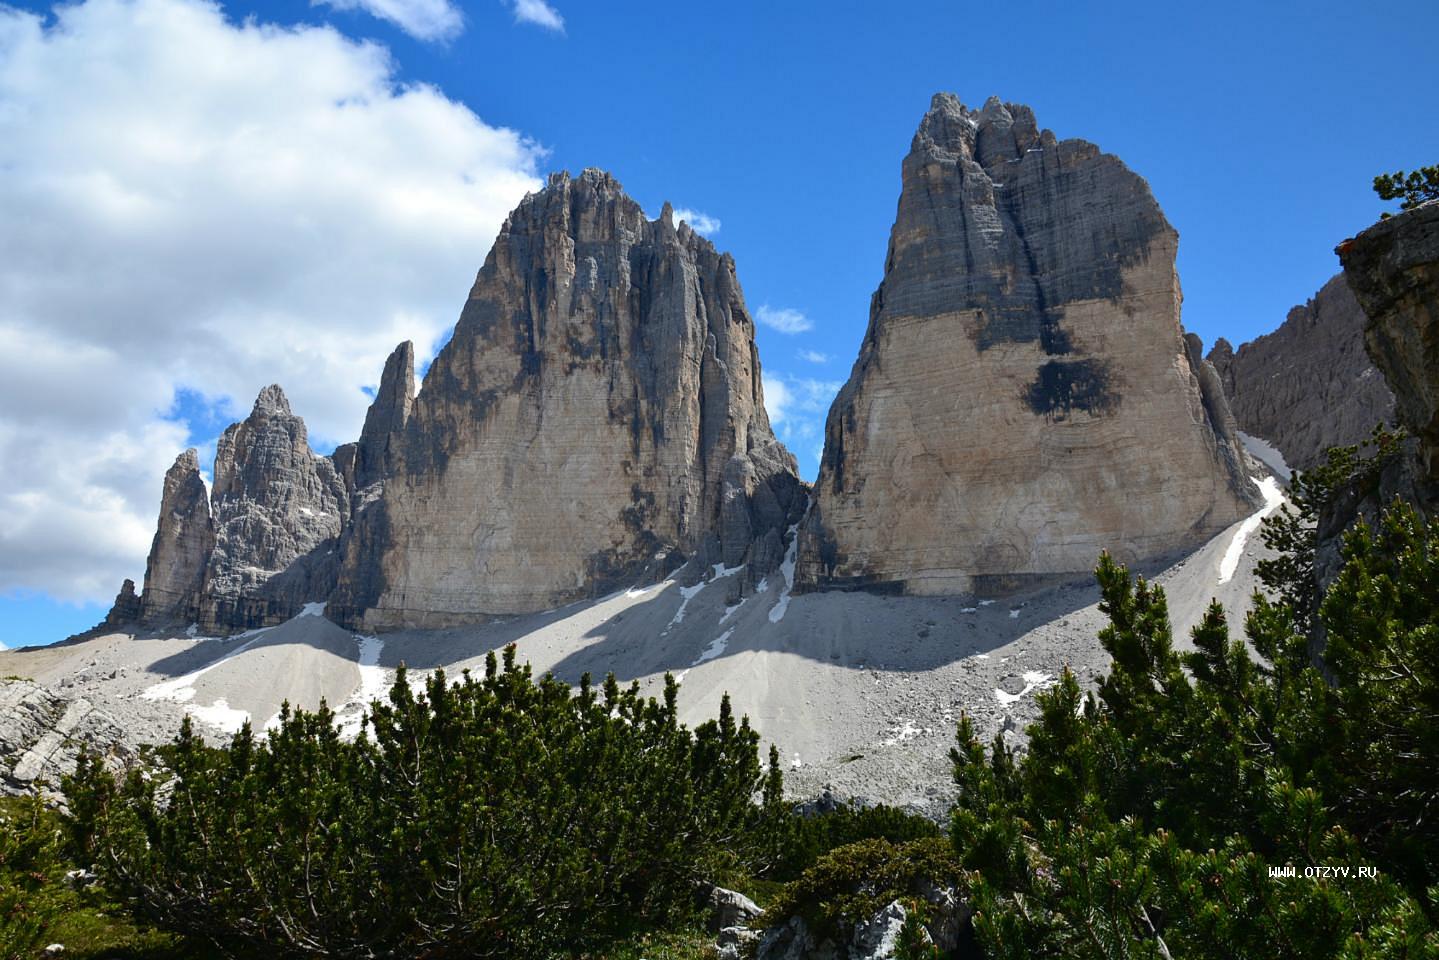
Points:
(1147, 818)
(854, 882)
(494, 817)
(795, 841)
(1292, 532)
(29, 857)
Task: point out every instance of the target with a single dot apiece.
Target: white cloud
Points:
(777, 399)
(421, 19)
(783, 319)
(540, 13)
(701, 223)
(814, 356)
(191, 203)
(797, 407)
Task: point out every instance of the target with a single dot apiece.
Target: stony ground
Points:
(858, 691)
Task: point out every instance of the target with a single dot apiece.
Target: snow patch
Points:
(904, 731)
(313, 610)
(219, 714)
(1267, 454)
(719, 572)
(1014, 614)
(1273, 497)
(1033, 680)
(686, 595)
(372, 685)
(716, 648)
(786, 569)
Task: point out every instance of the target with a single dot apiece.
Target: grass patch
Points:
(90, 924)
(682, 945)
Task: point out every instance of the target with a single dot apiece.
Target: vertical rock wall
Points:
(1024, 397)
(1309, 385)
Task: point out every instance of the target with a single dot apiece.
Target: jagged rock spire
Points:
(184, 539)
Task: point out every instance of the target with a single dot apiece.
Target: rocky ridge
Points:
(1310, 384)
(597, 420)
(1024, 397)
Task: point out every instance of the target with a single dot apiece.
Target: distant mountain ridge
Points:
(1309, 385)
(1025, 398)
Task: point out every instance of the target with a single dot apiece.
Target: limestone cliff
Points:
(597, 417)
(1309, 385)
(1393, 269)
(1024, 397)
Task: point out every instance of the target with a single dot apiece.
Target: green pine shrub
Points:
(494, 817)
(1412, 188)
(29, 856)
(1147, 817)
(797, 841)
(854, 882)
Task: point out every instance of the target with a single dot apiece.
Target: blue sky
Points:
(1258, 126)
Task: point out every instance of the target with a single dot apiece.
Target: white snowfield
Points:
(866, 689)
(1273, 497)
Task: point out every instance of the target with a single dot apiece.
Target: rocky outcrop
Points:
(42, 734)
(278, 511)
(1024, 397)
(1309, 385)
(377, 455)
(180, 552)
(126, 608)
(1393, 269)
(596, 418)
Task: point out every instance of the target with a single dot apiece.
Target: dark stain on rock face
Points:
(1064, 386)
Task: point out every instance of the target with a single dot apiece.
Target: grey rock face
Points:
(728, 908)
(180, 552)
(596, 416)
(377, 453)
(278, 511)
(793, 940)
(1023, 398)
(126, 608)
(597, 419)
(1393, 269)
(1310, 384)
(878, 937)
(42, 734)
